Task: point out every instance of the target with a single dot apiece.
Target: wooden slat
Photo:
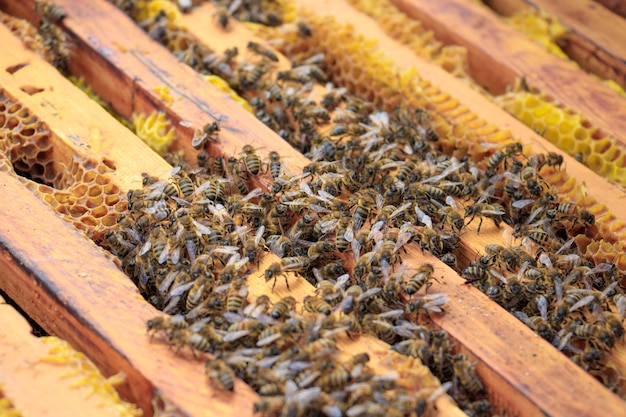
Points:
(26, 367)
(597, 40)
(498, 55)
(616, 6)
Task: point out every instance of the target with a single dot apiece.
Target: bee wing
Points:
(545, 260)
(199, 136)
(496, 212)
(450, 201)
(542, 306)
(392, 165)
(380, 202)
(236, 335)
(259, 234)
(520, 204)
(268, 340)
(145, 248)
(253, 194)
(523, 317)
(191, 250)
(393, 314)
(621, 307)
(566, 246)
(342, 280)
(167, 282)
(318, 208)
(369, 293)
(307, 189)
(442, 389)
(175, 255)
(202, 229)
(180, 289)
(609, 288)
(582, 302)
(165, 253)
(356, 249)
(227, 250)
(423, 217)
(403, 239)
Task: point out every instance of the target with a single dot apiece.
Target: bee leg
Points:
(287, 283)
(480, 223)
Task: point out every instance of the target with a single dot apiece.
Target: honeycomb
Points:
(547, 31)
(84, 373)
(154, 129)
(26, 32)
(80, 190)
(411, 33)
(569, 131)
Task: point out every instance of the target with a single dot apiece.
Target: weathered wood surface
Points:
(26, 367)
(498, 54)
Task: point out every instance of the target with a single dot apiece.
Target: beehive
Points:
(140, 74)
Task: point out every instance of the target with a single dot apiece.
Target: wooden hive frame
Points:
(77, 309)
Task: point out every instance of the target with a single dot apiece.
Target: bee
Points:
(208, 133)
(450, 260)
(419, 279)
(55, 41)
(50, 11)
(502, 254)
(416, 348)
(223, 18)
(282, 307)
(475, 272)
(262, 51)
(426, 398)
(220, 374)
(304, 30)
(293, 263)
(353, 129)
(201, 286)
(509, 151)
(427, 303)
(597, 334)
(492, 211)
(316, 305)
(275, 165)
(335, 379)
(251, 160)
(320, 249)
(250, 74)
(364, 205)
(166, 323)
(464, 372)
(552, 159)
(253, 246)
(236, 298)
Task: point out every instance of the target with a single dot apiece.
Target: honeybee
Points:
(222, 17)
(165, 323)
(220, 374)
(262, 50)
(292, 263)
(282, 307)
(492, 211)
(236, 298)
(509, 151)
(208, 133)
(316, 305)
(419, 279)
(50, 11)
(251, 160)
(427, 303)
(464, 371)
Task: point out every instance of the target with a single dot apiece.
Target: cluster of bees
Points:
(54, 40)
(377, 183)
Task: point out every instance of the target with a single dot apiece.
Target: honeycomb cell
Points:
(99, 211)
(94, 202)
(88, 177)
(80, 190)
(109, 220)
(94, 190)
(12, 123)
(89, 221)
(101, 179)
(78, 210)
(111, 200)
(111, 189)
